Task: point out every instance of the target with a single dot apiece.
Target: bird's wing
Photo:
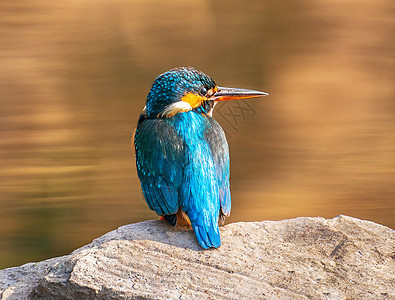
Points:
(160, 160)
(220, 151)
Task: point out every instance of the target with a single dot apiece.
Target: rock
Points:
(302, 258)
(18, 282)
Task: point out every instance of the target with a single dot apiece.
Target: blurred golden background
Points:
(74, 76)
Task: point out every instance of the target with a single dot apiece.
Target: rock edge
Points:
(302, 258)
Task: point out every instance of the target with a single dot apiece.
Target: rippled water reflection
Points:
(74, 76)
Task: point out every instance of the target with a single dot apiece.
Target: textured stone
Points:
(302, 258)
(16, 283)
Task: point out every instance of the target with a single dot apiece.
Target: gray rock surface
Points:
(302, 258)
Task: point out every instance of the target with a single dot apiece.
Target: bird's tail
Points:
(207, 233)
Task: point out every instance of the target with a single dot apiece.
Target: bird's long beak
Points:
(225, 94)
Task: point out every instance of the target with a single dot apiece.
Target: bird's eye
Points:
(203, 91)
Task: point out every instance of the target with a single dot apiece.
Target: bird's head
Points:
(184, 89)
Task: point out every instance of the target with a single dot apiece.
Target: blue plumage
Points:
(182, 155)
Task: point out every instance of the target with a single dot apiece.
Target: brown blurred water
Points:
(74, 76)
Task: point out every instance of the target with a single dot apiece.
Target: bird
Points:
(182, 155)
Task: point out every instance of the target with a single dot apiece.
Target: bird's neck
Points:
(190, 124)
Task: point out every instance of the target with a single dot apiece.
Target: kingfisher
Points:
(182, 155)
